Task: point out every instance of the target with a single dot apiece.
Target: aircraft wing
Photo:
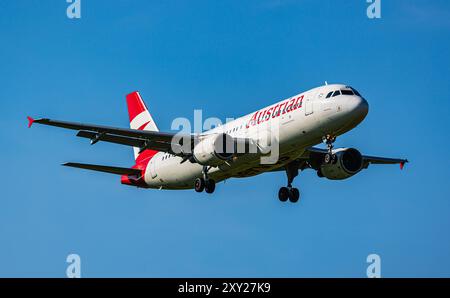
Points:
(366, 158)
(311, 156)
(131, 137)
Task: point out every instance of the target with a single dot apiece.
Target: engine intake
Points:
(348, 162)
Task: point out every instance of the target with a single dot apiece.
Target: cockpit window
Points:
(347, 92)
(356, 92)
(336, 93)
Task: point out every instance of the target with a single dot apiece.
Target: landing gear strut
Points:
(289, 192)
(329, 157)
(200, 184)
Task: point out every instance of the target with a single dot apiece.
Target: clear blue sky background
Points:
(228, 58)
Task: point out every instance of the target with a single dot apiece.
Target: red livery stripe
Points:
(135, 105)
(143, 125)
(141, 163)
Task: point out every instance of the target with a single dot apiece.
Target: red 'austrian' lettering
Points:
(275, 111)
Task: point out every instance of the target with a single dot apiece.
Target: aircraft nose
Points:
(358, 107)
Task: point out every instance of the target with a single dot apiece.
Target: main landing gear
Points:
(329, 158)
(200, 184)
(289, 192)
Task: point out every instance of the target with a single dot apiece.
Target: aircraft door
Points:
(309, 104)
(153, 167)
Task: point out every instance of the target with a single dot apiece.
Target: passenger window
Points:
(336, 93)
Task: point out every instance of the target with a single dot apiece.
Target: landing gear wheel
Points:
(328, 158)
(283, 194)
(294, 195)
(199, 184)
(210, 186)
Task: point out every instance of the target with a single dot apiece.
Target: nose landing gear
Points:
(329, 158)
(289, 192)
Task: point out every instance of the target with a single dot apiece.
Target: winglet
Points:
(402, 164)
(30, 121)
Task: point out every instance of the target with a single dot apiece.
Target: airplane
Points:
(166, 160)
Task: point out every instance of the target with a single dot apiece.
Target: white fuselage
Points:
(297, 123)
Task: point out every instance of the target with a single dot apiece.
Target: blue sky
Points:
(228, 58)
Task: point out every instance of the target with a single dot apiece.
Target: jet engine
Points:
(214, 150)
(348, 162)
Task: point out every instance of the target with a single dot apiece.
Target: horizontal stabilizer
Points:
(105, 169)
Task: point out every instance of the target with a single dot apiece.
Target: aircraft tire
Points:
(283, 194)
(199, 184)
(294, 195)
(210, 186)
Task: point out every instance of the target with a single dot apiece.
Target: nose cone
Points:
(357, 107)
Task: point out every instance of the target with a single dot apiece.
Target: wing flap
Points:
(105, 169)
(134, 142)
(127, 141)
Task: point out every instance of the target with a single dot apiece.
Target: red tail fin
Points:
(140, 117)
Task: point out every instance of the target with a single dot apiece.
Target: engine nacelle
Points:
(214, 150)
(348, 162)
